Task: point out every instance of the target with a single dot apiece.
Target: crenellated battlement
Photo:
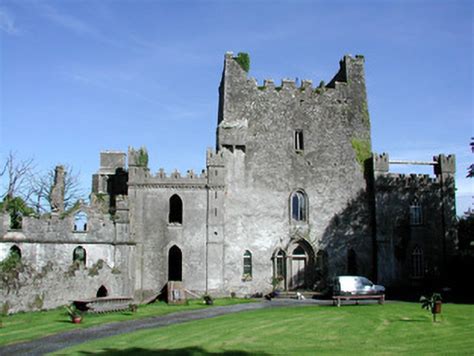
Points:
(172, 180)
(138, 157)
(445, 164)
(349, 67)
(400, 180)
(380, 162)
(176, 175)
(214, 158)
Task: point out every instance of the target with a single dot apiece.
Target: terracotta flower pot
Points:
(76, 319)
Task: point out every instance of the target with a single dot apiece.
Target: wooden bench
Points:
(336, 300)
(104, 304)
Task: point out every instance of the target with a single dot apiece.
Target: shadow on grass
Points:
(414, 320)
(187, 351)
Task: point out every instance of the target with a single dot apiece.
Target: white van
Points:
(355, 285)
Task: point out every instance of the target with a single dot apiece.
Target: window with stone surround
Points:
(247, 265)
(79, 255)
(299, 206)
(416, 212)
(280, 264)
(299, 143)
(175, 215)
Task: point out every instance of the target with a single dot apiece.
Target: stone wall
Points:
(256, 137)
(48, 276)
(397, 237)
(154, 235)
(29, 287)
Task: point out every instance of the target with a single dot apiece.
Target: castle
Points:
(292, 194)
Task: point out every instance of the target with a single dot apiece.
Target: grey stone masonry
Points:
(291, 196)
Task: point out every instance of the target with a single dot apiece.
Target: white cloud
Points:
(75, 24)
(7, 23)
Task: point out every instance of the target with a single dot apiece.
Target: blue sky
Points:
(78, 77)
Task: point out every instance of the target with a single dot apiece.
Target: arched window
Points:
(15, 252)
(417, 262)
(298, 206)
(247, 263)
(80, 221)
(175, 215)
(351, 262)
(79, 255)
(299, 251)
(415, 212)
(102, 292)
(280, 264)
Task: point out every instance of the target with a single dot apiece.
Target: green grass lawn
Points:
(393, 328)
(29, 326)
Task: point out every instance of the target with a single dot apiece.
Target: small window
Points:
(280, 264)
(79, 255)
(80, 222)
(298, 206)
(417, 262)
(299, 144)
(247, 264)
(416, 214)
(15, 253)
(176, 210)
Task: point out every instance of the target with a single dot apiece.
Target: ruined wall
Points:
(48, 277)
(256, 139)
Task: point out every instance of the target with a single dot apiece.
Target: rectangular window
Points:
(247, 265)
(299, 144)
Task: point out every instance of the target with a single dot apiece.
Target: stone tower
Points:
(57, 190)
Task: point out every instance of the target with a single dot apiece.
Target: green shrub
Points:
(244, 61)
(142, 159)
(362, 150)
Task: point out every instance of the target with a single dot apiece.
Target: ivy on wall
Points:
(244, 61)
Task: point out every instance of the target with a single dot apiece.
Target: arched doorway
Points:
(175, 259)
(301, 264)
(102, 292)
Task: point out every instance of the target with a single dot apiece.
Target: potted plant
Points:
(74, 314)
(432, 304)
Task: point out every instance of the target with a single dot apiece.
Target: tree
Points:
(17, 208)
(26, 192)
(42, 186)
(18, 174)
